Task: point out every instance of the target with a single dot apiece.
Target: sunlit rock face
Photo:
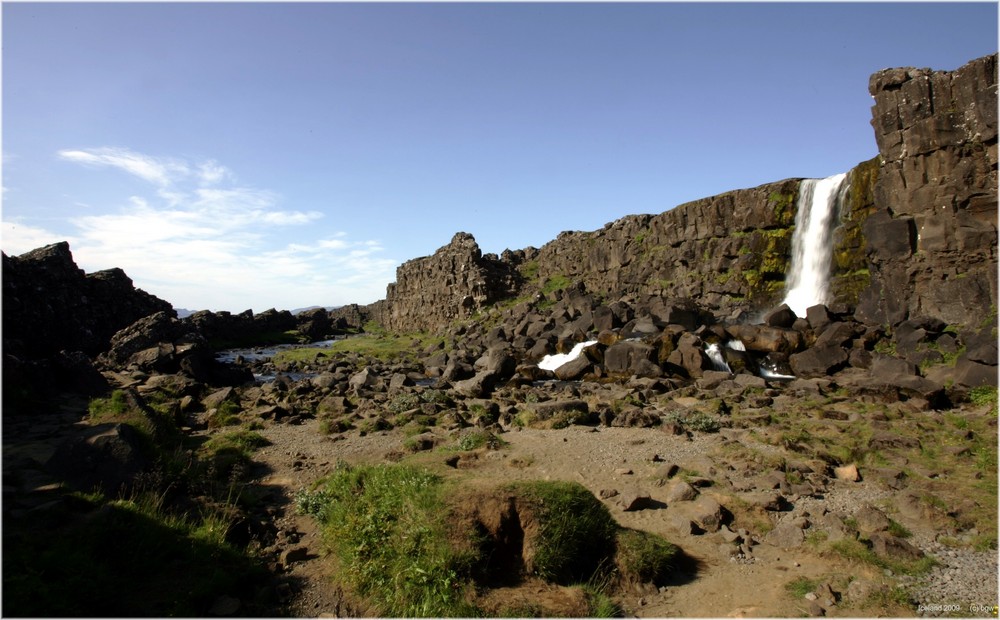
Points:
(932, 243)
(454, 283)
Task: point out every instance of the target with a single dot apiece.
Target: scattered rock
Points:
(888, 546)
(785, 535)
(848, 473)
(635, 500)
(871, 519)
(225, 606)
(681, 492)
(706, 513)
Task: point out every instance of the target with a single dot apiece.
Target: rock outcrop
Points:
(454, 283)
(51, 305)
(932, 244)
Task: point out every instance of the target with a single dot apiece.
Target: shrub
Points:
(475, 439)
(695, 421)
(403, 402)
(439, 397)
(226, 414)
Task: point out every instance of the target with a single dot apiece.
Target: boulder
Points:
(974, 374)
(681, 492)
(786, 535)
(886, 545)
(689, 356)
(706, 513)
(574, 369)
(847, 473)
(767, 339)
(624, 357)
(633, 500)
(105, 456)
(871, 520)
(818, 317)
(818, 361)
(782, 316)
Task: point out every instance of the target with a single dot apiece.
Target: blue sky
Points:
(248, 155)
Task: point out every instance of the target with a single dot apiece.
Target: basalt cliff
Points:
(917, 234)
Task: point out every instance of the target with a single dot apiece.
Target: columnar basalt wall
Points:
(453, 283)
(727, 251)
(917, 234)
(932, 242)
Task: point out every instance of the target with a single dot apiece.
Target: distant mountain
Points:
(301, 310)
(183, 312)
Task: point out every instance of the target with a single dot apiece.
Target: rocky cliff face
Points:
(50, 305)
(932, 244)
(454, 283)
(917, 233)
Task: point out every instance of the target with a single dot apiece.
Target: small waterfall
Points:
(812, 243)
(552, 362)
(714, 353)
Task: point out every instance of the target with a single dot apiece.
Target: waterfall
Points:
(552, 362)
(812, 244)
(714, 353)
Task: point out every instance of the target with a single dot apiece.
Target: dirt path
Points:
(602, 459)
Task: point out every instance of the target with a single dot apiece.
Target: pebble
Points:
(965, 578)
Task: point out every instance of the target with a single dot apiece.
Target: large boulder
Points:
(818, 361)
(106, 457)
(624, 358)
(766, 338)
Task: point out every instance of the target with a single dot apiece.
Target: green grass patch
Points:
(412, 543)
(101, 409)
(226, 414)
(857, 550)
(376, 342)
(529, 270)
(577, 530)
(292, 336)
(984, 395)
(386, 527)
(476, 439)
(228, 456)
(642, 557)
(556, 283)
(801, 586)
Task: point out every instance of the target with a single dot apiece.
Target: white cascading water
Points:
(552, 362)
(714, 353)
(812, 246)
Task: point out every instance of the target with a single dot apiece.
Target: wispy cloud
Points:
(157, 170)
(200, 241)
